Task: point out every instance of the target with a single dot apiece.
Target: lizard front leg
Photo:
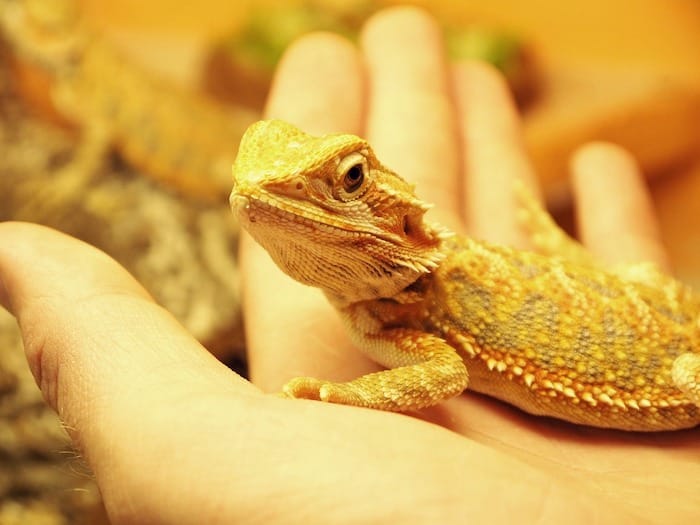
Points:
(424, 370)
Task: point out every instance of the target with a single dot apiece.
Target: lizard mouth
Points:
(268, 208)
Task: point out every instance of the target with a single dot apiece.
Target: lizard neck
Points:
(397, 287)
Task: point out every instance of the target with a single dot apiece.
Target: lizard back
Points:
(561, 339)
(551, 331)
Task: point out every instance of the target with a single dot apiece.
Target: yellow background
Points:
(660, 33)
(658, 36)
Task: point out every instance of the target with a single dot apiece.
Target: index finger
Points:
(291, 329)
(614, 209)
(493, 154)
(410, 121)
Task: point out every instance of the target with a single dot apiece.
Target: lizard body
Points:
(549, 331)
(178, 138)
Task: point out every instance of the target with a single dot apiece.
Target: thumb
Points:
(115, 366)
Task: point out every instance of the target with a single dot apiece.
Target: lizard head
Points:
(48, 32)
(329, 214)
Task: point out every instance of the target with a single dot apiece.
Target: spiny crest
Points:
(394, 205)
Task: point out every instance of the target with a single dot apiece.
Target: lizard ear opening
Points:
(419, 247)
(420, 233)
(407, 227)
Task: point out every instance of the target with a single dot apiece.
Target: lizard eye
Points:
(354, 178)
(353, 175)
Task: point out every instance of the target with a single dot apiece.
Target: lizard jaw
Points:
(322, 255)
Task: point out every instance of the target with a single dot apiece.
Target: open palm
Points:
(455, 133)
(175, 437)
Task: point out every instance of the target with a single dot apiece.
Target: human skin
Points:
(173, 436)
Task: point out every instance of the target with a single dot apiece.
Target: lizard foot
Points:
(318, 390)
(686, 375)
(393, 390)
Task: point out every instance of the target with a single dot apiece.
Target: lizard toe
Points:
(686, 375)
(303, 388)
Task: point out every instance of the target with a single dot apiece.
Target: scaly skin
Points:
(550, 331)
(177, 138)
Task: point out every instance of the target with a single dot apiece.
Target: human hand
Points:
(455, 133)
(175, 437)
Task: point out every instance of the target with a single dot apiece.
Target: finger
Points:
(493, 153)
(291, 328)
(410, 120)
(319, 86)
(615, 213)
(111, 362)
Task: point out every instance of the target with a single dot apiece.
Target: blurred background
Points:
(627, 71)
(119, 122)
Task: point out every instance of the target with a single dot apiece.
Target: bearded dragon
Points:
(178, 138)
(550, 330)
